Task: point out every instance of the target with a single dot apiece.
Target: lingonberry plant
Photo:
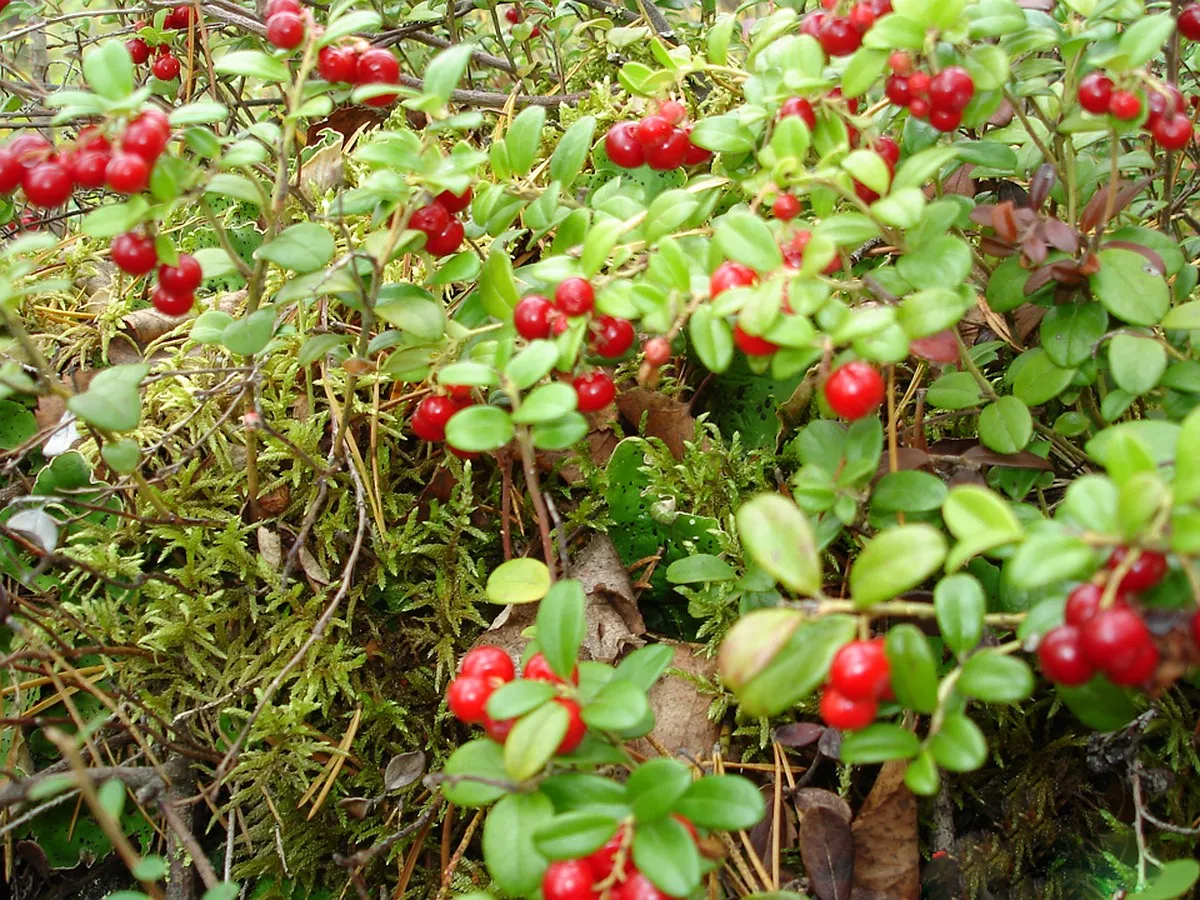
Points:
(863, 333)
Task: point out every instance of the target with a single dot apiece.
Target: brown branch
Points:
(496, 100)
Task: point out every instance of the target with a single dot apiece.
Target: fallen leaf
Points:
(798, 734)
(887, 859)
(657, 415)
(312, 568)
(828, 850)
(762, 834)
(403, 769)
(613, 620)
(808, 799)
(270, 547)
(681, 711)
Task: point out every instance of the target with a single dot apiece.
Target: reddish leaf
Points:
(940, 348)
(1098, 205)
(1004, 221)
(808, 799)
(798, 734)
(827, 848)
(982, 456)
(982, 214)
(1040, 185)
(1037, 281)
(993, 247)
(1034, 249)
(1061, 236)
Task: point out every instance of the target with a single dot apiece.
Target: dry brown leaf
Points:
(808, 799)
(614, 622)
(828, 850)
(656, 415)
(762, 834)
(681, 712)
(312, 568)
(887, 859)
(270, 546)
(49, 411)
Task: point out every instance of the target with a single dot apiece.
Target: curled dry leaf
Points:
(798, 734)
(658, 416)
(681, 711)
(808, 799)
(613, 620)
(403, 769)
(887, 859)
(357, 807)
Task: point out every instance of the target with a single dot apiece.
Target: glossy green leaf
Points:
(894, 561)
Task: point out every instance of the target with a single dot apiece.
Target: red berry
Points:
(854, 390)
(841, 712)
(862, 17)
(623, 147)
(887, 148)
(673, 111)
(181, 17)
(751, 344)
(498, 731)
(378, 66)
(945, 119)
(653, 131)
(155, 118)
(918, 83)
(537, 669)
(558, 323)
(87, 168)
(145, 138)
(454, 203)
(47, 185)
(171, 304)
(275, 7)
(139, 50)
(860, 670)
(489, 662)
(657, 351)
(285, 30)
(604, 860)
(166, 68)
(531, 317)
(575, 727)
(1147, 570)
(613, 337)
(838, 36)
(900, 62)
(448, 241)
(513, 14)
(1095, 91)
(1189, 21)
(918, 106)
(183, 277)
(1196, 628)
(728, 275)
(798, 106)
(786, 207)
(1137, 670)
(897, 90)
(638, 887)
(467, 698)
(671, 153)
(594, 392)
(431, 219)
(134, 253)
(1173, 133)
(535, 31)
(811, 24)
(951, 89)
(568, 879)
(337, 64)
(30, 149)
(1114, 639)
(1062, 657)
(696, 155)
(1125, 105)
(575, 297)
(11, 171)
(1084, 602)
(430, 417)
(127, 173)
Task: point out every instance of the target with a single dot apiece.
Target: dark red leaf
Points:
(1034, 249)
(982, 214)
(1151, 256)
(1037, 281)
(990, 246)
(827, 848)
(1004, 221)
(1098, 205)
(1061, 236)
(1040, 185)
(940, 348)
(798, 734)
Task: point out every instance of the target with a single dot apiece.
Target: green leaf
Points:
(958, 390)
(700, 567)
(122, 456)
(112, 401)
(534, 740)
(1039, 379)
(1141, 41)
(913, 668)
(546, 403)
(362, 21)
(482, 759)
(712, 338)
(239, 187)
(777, 536)
(917, 169)
(1129, 288)
(792, 673)
(520, 580)
(981, 520)
(248, 336)
(960, 604)
(109, 70)
(645, 665)
(959, 745)
(995, 678)
(894, 561)
(314, 348)
(202, 112)
(1174, 879)
(561, 625)
(908, 491)
(301, 248)
(1137, 363)
(149, 868)
(1187, 461)
(416, 315)
(114, 218)
(1006, 425)
(930, 311)
(746, 238)
(226, 890)
(939, 263)
(1047, 557)
(560, 433)
(497, 287)
(479, 429)
(664, 851)
(468, 372)
(921, 775)
(847, 229)
(864, 67)
(1099, 704)
(509, 851)
(532, 364)
(17, 424)
(722, 803)
(574, 835)
(620, 705)
(1072, 331)
(878, 743)
(656, 786)
(723, 134)
(208, 327)
(572, 150)
(1183, 318)
(518, 697)
(252, 64)
(445, 70)
(524, 138)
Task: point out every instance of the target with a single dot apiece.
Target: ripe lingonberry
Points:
(951, 89)
(575, 297)
(838, 36)
(1189, 22)
(657, 351)
(854, 390)
(430, 417)
(1137, 670)
(166, 68)
(489, 662)
(897, 90)
(378, 66)
(139, 50)
(594, 392)
(1062, 657)
(786, 207)
(467, 698)
(945, 119)
(1145, 572)
(751, 344)
(575, 727)
(673, 111)
(653, 131)
(798, 106)
(613, 337)
(278, 6)
(337, 64)
(918, 83)
(537, 669)
(47, 185)
(1114, 639)
(812, 23)
(285, 30)
(1095, 92)
(431, 219)
(839, 711)
(454, 203)
(623, 147)
(604, 860)
(171, 304)
(728, 275)
(1084, 602)
(568, 879)
(860, 670)
(638, 887)
(695, 155)
(862, 17)
(1172, 133)
(447, 241)
(30, 149)
(11, 171)
(900, 62)
(181, 17)
(1196, 628)
(183, 277)
(87, 168)
(498, 729)
(145, 138)
(671, 153)
(1125, 105)
(134, 253)
(918, 107)
(513, 14)
(127, 173)
(531, 317)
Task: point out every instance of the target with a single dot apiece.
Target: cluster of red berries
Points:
(611, 866)
(360, 63)
(438, 221)
(432, 414)
(1113, 639)
(134, 253)
(48, 175)
(940, 98)
(787, 207)
(662, 140)
(486, 668)
(515, 16)
(859, 678)
(841, 35)
(166, 65)
(1166, 119)
(285, 24)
